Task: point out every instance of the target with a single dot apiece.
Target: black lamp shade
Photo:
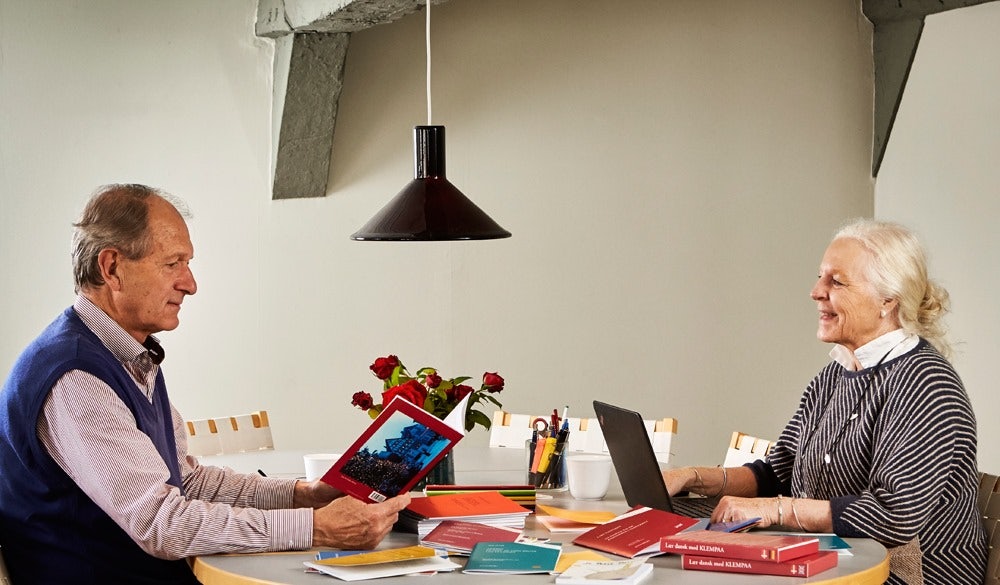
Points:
(430, 208)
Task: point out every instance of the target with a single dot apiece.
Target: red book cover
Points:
(634, 533)
(740, 545)
(806, 566)
(395, 452)
(461, 537)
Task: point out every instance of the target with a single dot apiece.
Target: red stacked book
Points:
(765, 554)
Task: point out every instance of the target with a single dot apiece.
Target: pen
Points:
(565, 421)
(550, 447)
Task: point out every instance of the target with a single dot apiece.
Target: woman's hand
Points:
(679, 479)
(731, 509)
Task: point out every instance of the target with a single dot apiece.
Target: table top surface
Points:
(868, 562)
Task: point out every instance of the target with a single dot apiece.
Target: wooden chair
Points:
(989, 506)
(744, 449)
(229, 434)
(4, 577)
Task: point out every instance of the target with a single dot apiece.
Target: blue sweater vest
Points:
(50, 531)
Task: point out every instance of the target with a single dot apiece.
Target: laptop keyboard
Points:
(693, 507)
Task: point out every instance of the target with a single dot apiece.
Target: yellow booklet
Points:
(391, 555)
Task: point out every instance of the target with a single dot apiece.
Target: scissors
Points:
(540, 426)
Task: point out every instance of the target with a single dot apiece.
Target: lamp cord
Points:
(428, 35)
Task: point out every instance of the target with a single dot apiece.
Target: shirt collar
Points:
(122, 345)
(887, 346)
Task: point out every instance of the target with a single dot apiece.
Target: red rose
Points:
(457, 393)
(384, 366)
(433, 380)
(412, 391)
(492, 382)
(362, 400)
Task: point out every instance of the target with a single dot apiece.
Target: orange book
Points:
(492, 508)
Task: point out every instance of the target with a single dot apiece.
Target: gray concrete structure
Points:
(312, 37)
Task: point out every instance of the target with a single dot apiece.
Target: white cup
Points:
(589, 475)
(317, 464)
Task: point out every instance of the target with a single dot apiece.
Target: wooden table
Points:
(869, 563)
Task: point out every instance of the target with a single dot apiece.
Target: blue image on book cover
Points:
(394, 454)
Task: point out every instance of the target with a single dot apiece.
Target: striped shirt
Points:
(92, 436)
(893, 447)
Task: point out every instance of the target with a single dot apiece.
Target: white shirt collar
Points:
(890, 345)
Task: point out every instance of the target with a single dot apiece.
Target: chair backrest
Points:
(4, 577)
(989, 506)
(229, 434)
(585, 435)
(744, 449)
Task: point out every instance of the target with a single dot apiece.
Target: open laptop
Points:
(637, 467)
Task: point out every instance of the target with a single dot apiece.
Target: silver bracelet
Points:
(796, 516)
(781, 513)
(725, 480)
(701, 482)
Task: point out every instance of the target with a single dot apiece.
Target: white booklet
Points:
(594, 572)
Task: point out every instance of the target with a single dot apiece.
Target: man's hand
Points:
(314, 494)
(349, 523)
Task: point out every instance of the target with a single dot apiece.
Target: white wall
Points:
(671, 172)
(940, 176)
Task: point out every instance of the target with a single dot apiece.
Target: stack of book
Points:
(523, 494)
(423, 515)
(764, 554)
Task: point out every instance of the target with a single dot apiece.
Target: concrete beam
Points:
(309, 83)
(880, 11)
(311, 41)
(894, 47)
(897, 27)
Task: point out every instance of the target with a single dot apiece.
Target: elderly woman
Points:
(883, 443)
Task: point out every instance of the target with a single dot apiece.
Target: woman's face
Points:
(849, 307)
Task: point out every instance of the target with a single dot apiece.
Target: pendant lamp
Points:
(430, 208)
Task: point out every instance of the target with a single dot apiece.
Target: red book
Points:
(461, 537)
(396, 451)
(637, 532)
(752, 546)
(806, 566)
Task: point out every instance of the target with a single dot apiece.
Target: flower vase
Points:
(443, 473)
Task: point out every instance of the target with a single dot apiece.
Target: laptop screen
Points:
(635, 462)
(637, 467)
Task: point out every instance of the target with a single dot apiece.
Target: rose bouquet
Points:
(428, 390)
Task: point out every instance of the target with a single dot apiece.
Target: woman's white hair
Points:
(897, 268)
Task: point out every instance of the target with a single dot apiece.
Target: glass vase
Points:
(441, 474)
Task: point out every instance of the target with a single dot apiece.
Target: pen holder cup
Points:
(543, 477)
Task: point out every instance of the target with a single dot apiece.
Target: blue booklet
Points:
(513, 557)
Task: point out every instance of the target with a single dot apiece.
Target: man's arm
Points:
(93, 437)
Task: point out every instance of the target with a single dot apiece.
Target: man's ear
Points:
(108, 260)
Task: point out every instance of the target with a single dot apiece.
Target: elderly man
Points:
(96, 483)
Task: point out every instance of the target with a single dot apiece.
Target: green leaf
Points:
(490, 398)
(474, 417)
